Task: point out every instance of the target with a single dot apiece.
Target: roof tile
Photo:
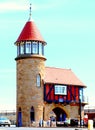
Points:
(30, 32)
(61, 76)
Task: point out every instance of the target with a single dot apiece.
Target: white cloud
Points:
(18, 6)
(24, 5)
(9, 6)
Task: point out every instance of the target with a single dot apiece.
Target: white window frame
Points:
(22, 48)
(28, 47)
(60, 90)
(34, 47)
(81, 94)
(40, 48)
(18, 49)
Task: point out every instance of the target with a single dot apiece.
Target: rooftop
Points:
(62, 76)
(30, 32)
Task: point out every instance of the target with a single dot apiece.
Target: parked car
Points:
(74, 122)
(4, 121)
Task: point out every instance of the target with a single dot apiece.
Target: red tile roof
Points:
(61, 76)
(30, 32)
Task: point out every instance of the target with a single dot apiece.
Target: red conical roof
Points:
(30, 32)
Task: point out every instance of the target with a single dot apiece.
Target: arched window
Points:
(32, 114)
(19, 109)
(38, 80)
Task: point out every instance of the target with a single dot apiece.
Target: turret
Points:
(30, 42)
(30, 62)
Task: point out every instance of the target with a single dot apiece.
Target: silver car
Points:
(4, 121)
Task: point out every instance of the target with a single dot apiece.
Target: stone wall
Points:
(71, 111)
(28, 94)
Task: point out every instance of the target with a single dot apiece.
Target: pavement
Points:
(32, 128)
(40, 128)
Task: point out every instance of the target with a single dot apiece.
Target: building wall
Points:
(28, 94)
(72, 94)
(71, 111)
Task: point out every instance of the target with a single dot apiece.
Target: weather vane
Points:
(30, 12)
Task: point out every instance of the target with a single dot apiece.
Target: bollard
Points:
(90, 124)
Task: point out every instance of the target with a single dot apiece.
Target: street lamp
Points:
(80, 110)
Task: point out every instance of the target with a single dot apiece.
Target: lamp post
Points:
(80, 110)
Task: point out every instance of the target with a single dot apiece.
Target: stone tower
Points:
(30, 65)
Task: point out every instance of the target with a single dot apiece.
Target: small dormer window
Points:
(38, 80)
(34, 47)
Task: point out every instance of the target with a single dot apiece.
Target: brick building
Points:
(43, 91)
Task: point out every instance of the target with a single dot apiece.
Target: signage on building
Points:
(61, 99)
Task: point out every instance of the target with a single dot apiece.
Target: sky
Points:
(68, 27)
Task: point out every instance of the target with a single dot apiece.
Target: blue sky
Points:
(68, 27)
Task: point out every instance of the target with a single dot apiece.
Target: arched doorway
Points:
(32, 114)
(60, 114)
(19, 120)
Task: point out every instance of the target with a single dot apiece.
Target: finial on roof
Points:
(30, 12)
